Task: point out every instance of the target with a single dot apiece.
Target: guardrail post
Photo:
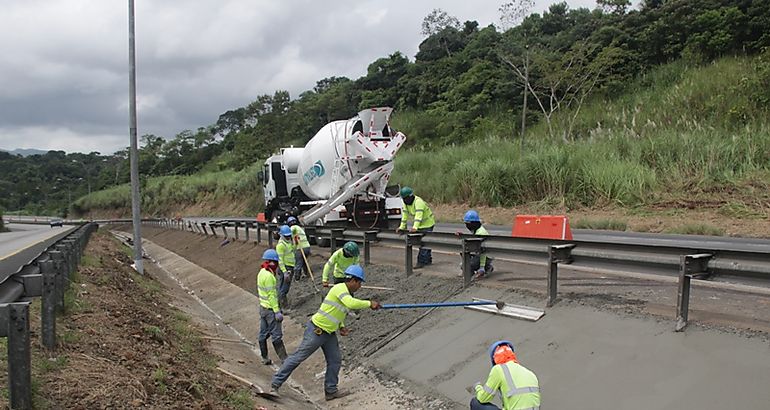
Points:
(270, 229)
(336, 233)
(59, 265)
(237, 224)
(246, 227)
(369, 237)
(412, 240)
(19, 358)
(205, 232)
(470, 247)
(556, 254)
(690, 266)
(259, 232)
(224, 230)
(48, 304)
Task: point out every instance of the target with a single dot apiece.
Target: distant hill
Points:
(25, 152)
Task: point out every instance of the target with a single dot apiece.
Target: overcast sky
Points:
(64, 69)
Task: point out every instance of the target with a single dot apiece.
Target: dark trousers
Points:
(310, 343)
(424, 255)
(477, 405)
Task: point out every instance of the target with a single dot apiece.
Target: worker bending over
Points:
(285, 249)
(302, 245)
(340, 260)
(270, 316)
(417, 209)
(481, 265)
(322, 332)
(517, 385)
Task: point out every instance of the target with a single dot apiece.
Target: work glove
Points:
(325, 284)
(375, 305)
(398, 231)
(278, 317)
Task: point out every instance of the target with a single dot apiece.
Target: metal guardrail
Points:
(684, 263)
(47, 275)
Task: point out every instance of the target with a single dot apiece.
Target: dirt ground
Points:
(120, 345)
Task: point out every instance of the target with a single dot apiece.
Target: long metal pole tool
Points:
(498, 304)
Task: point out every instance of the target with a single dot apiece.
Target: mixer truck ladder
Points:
(356, 185)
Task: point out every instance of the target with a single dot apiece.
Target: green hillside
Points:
(681, 133)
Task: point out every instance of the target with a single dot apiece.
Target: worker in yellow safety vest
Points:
(270, 316)
(340, 260)
(517, 385)
(322, 332)
(481, 265)
(285, 248)
(417, 209)
(303, 246)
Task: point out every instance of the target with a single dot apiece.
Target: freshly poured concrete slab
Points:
(586, 358)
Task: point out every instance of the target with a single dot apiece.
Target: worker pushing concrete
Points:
(302, 248)
(517, 385)
(322, 330)
(481, 264)
(340, 260)
(270, 316)
(417, 209)
(285, 248)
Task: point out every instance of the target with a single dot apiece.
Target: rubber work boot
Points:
(419, 265)
(263, 352)
(280, 350)
(273, 391)
(336, 395)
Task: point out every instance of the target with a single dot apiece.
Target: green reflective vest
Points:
(482, 232)
(339, 263)
(420, 211)
(517, 384)
(267, 290)
(335, 307)
(299, 236)
(285, 251)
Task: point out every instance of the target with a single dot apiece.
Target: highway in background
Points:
(25, 242)
(704, 243)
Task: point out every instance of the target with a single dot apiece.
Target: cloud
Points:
(64, 71)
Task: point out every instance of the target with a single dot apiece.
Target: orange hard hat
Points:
(503, 354)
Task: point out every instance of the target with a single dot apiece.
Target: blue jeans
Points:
(310, 343)
(477, 405)
(268, 327)
(301, 265)
(424, 256)
(284, 282)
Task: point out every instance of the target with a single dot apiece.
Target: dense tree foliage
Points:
(462, 75)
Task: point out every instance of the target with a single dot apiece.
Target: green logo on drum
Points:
(314, 172)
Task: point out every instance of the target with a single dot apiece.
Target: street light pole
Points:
(138, 265)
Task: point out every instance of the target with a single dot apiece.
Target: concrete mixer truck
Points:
(340, 177)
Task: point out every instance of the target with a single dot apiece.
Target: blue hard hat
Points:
(355, 271)
(270, 255)
(495, 345)
(285, 230)
(291, 221)
(471, 216)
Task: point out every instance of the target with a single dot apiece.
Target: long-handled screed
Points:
(309, 270)
(497, 304)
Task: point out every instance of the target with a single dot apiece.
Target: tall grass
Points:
(164, 194)
(678, 129)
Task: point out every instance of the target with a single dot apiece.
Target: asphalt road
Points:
(23, 243)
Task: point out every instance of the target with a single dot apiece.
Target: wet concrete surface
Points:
(608, 343)
(587, 358)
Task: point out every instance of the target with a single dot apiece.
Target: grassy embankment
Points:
(679, 137)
